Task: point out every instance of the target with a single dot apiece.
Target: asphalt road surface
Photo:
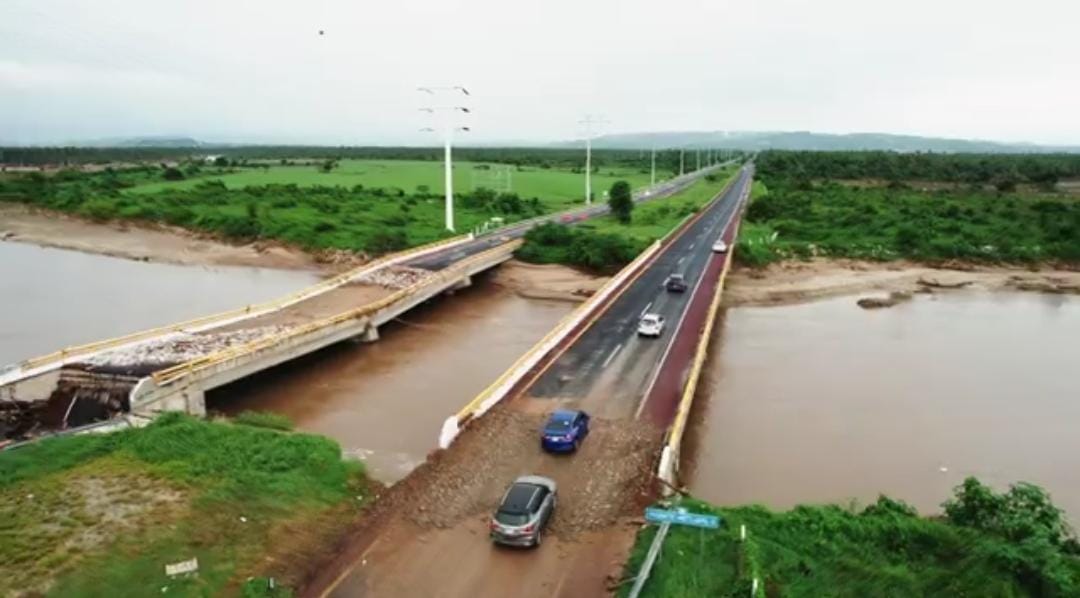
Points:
(609, 369)
(442, 259)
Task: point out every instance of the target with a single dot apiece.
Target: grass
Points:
(799, 221)
(363, 206)
(556, 188)
(605, 244)
(885, 549)
(102, 514)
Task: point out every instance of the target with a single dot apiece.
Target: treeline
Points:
(1002, 170)
(666, 161)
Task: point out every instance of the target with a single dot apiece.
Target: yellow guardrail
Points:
(174, 373)
(310, 291)
(465, 412)
(675, 431)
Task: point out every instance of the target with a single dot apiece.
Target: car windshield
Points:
(558, 425)
(511, 518)
(650, 319)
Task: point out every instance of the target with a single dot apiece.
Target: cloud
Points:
(261, 71)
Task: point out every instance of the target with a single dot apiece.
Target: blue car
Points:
(564, 431)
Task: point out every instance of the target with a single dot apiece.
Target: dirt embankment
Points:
(154, 243)
(795, 282)
(547, 281)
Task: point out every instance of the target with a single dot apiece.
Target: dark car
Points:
(564, 431)
(524, 511)
(675, 283)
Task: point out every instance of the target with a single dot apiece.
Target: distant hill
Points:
(150, 141)
(805, 140)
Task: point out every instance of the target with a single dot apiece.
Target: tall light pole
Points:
(682, 161)
(652, 179)
(589, 122)
(448, 133)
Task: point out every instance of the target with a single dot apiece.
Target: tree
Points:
(621, 201)
(173, 174)
(221, 162)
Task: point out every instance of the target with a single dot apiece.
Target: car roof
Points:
(519, 498)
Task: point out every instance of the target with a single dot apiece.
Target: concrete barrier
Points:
(670, 456)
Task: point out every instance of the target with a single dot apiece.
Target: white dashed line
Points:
(611, 355)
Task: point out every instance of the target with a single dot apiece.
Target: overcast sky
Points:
(232, 70)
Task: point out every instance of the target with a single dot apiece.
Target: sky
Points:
(259, 71)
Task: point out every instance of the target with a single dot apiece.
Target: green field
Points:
(555, 187)
(988, 544)
(102, 514)
(604, 244)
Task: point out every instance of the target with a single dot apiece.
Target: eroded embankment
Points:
(154, 243)
(795, 282)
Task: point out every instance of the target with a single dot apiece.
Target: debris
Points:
(182, 568)
(243, 519)
(395, 277)
(878, 302)
(179, 348)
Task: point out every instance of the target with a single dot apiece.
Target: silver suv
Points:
(524, 511)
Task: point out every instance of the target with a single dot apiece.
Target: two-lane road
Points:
(608, 369)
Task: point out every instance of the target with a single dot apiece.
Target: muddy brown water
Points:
(386, 402)
(53, 298)
(826, 402)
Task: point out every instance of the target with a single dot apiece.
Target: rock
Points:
(935, 284)
(880, 302)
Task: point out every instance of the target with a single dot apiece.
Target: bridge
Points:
(127, 380)
(639, 392)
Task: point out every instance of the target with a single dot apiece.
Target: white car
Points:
(720, 246)
(651, 325)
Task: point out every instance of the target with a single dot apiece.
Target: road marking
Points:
(348, 571)
(682, 316)
(611, 355)
(645, 310)
(692, 245)
(679, 263)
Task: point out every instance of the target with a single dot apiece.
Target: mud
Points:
(797, 282)
(548, 281)
(148, 243)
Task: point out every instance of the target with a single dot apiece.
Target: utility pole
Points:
(448, 129)
(682, 161)
(589, 121)
(652, 179)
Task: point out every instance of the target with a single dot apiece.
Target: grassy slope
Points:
(103, 514)
(604, 244)
(555, 187)
(883, 224)
(833, 551)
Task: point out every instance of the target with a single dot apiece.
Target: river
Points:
(826, 402)
(386, 401)
(53, 298)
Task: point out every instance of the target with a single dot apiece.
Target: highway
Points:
(609, 369)
(427, 535)
(439, 260)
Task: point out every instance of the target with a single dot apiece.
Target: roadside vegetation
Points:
(101, 515)
(1010, 544)
(361, 206)
(991, 217)
(608, 243)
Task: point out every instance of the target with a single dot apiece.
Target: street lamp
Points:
(589, 121)
(448, 133)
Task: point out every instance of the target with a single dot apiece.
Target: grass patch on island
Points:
(95, 515)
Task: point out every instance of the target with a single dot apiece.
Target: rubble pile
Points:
(395, 277)
(177, 349)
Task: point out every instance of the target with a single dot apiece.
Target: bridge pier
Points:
(370, 334)
(464, 283)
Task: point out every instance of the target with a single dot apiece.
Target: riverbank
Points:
(794, 281)
(159, 243)
(239, 503)
(547, 281)
(988, 544)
